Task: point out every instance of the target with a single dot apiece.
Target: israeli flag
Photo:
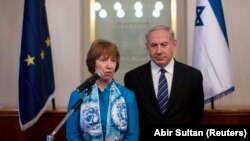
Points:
(211, 54)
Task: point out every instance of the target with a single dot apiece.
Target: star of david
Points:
(198, 20)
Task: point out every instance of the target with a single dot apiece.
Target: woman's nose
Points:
(109, 63)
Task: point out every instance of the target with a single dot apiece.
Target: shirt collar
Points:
(169, 68)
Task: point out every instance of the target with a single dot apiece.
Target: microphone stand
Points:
(50, 137)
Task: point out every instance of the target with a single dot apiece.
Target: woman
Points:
(110, 111)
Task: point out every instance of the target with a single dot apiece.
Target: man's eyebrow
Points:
(160, 42)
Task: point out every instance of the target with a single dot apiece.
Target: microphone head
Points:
(99, 73)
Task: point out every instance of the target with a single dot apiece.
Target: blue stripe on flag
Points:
(217, 8)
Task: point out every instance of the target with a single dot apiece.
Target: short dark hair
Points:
(101, 47)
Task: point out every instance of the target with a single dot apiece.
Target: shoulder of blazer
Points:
(140, 69)
(181, 67)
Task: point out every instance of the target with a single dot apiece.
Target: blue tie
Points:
(163, 91)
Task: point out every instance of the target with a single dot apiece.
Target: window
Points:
(125, 22)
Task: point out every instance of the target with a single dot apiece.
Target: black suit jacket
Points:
(186, 103)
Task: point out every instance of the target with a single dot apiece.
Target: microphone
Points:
(87, 84)
(90, 81)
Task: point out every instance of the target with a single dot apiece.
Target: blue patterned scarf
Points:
(90, 120)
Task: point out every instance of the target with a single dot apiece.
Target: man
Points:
(183, 102)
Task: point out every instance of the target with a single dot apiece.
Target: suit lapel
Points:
(175, 84)
(147, 82)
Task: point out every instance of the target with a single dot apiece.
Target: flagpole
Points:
(53, 104)
(212, 103)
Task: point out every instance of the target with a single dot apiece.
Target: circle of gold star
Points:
(29, 60)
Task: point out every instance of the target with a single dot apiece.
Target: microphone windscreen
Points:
(99, 73)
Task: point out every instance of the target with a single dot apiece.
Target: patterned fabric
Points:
(90, 120)
(163, 91)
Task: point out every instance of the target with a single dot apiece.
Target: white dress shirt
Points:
(156, 75)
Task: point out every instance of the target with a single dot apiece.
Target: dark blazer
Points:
(186, 103)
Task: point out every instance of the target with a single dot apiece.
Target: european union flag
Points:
(36, 77)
